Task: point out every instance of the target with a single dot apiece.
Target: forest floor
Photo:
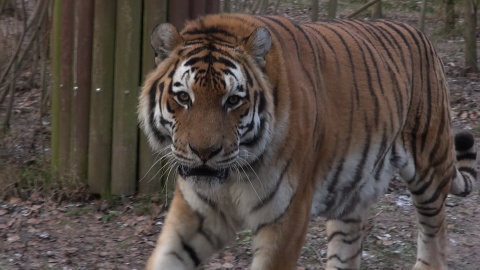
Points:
(70, 229)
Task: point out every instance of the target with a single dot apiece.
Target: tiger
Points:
(268, 122)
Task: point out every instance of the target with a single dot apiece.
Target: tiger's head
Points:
(208, 101)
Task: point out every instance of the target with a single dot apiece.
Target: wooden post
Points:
(314, 15)
(377, 10)
(81, 93)
(178, 12)
(154, 12)
(422, 15)
(470, 15)
(332, 9)
(197, 8)
(127, 85)
(213, 6)
(101, 99)
(66, 84)
(55, 92)
(227, 6)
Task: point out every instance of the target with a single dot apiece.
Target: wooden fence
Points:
(100, 55)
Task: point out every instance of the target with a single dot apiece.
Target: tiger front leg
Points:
(188, 237)
(277, 245)
(345, 242)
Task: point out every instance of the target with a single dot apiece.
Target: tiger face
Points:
(209, 110)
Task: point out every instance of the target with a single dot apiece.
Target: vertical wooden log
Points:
(127, 84)
(423, 10)
(314, 15)
(197, 8)
(213, 7)
(332, 9)
(81, 93)
(66, 84)
(449, 15)
(154, 12)
(101, 99)
(200, 8)
(178, 12)
(470, 15)
(377, 10)
(55, 91)
(227, 6)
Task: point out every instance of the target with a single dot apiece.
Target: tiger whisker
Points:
(256, 175)
(168, 178)
(168, 163)
(153, 165)
(251, 184)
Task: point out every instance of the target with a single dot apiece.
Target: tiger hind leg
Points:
(345, 242)
(429, 185)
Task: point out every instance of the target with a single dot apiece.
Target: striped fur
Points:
(269, 122)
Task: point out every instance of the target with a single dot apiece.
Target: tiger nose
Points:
(205, 153)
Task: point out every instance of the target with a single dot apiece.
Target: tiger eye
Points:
(183, 97)
(233, 100)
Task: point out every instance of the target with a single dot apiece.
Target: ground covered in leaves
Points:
(58, 232)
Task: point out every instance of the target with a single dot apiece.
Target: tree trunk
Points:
(55, 90)
(264, 7)
(314, 15)
(422, 15)
(449, 13)
(227, 6)
(377, 10)
(332, 9)
(470, 8)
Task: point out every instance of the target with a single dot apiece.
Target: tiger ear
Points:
(258, 44)
(164, 39)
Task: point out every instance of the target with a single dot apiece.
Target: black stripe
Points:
(424, 186)
(438, 191)
(208, 201)
(471, 156)
(440, 131)
(411, 76)
(176, 255)
(335, 256)
(252, 143)
(367, 73)
(334, 180)
(350, 58)
(270, 196)
(468, 170)
(153, 90)
(191, 252)
(209, 31)
(423, 261)
(263, 225)
(262, 102)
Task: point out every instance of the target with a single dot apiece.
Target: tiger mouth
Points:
(203, 171)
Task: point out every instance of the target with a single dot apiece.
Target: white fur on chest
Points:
(242, 199)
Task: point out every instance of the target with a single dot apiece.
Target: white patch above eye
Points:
(183, 79)
(235, 84)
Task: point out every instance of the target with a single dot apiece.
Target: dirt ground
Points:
(77, 231)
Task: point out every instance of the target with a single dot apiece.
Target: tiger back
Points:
(269, 122)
